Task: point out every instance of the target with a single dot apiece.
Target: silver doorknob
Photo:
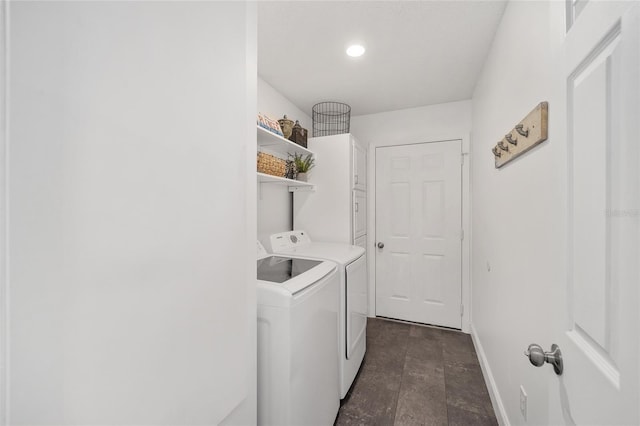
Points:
(537, 356)
(380, 245)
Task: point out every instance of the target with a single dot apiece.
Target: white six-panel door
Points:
(597, 308)
(418, 220)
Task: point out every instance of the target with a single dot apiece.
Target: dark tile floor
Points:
(415, 375)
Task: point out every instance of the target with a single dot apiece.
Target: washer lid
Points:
(261, 251)
(288, 276)
(277, 269)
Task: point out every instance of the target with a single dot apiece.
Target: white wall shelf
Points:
(294, 185)
(278, 144)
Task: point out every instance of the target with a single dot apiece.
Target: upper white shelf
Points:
(278, 144)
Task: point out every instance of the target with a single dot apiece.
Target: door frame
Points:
(466, 219)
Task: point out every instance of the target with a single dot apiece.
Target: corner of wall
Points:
(494, 393)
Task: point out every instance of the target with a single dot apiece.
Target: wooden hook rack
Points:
(531, 131)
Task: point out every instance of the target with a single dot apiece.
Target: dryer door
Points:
(356, 306)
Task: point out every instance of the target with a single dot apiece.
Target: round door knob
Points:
(380, 245)
(537, 356)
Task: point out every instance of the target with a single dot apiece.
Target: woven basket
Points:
(271, 165)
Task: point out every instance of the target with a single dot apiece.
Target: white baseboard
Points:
(498, 406)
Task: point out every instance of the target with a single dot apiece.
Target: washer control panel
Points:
(289, 240)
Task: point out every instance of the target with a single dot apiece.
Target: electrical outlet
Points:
(523, 402)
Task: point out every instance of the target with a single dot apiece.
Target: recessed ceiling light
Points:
(355, 50)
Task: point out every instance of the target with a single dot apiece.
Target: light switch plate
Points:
(523, 402)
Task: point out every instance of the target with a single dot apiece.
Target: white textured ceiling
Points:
(418, 52)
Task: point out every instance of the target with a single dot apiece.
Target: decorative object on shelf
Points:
(290, 168)
(271, 165)
(287, 126)
(331, 118)
(303, 164)
(270, 124)
(299, 135)
(531, 131)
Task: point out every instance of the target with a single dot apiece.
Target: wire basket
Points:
(331, 118)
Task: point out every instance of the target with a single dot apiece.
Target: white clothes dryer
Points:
(352, 265)
(297, 340)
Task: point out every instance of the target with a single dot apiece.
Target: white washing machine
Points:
(297, 340)
(352, 265)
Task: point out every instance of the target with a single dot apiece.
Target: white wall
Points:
(131, 192)
(515, 212)
(415, 125)
(274, 201)
(275, 105)
(3, 219)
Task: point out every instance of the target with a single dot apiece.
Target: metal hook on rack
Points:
(502, 146)
(510, 139)
(519, 129)
(496, 152)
